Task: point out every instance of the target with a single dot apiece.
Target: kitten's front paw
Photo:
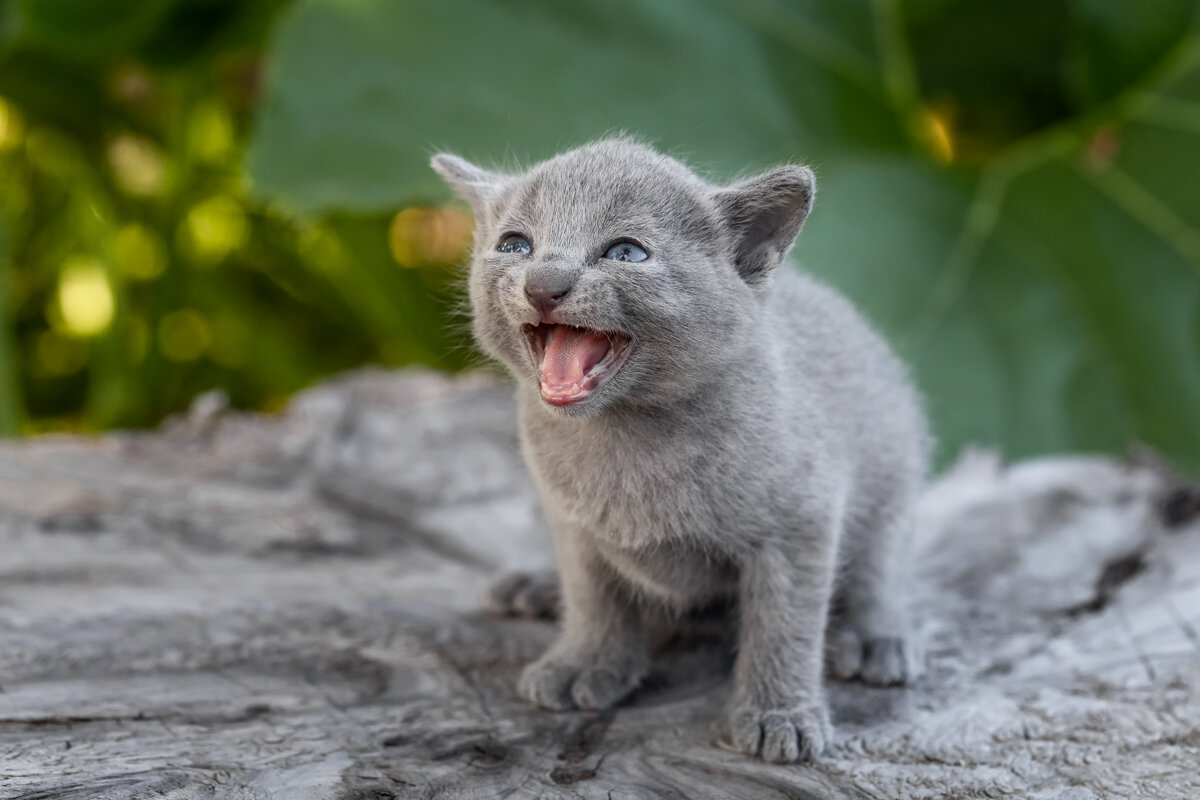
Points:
(781, 735)
(559, 684)
(878, 660)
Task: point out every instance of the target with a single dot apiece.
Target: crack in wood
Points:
(1115, 574)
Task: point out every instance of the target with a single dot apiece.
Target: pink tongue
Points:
(570, 353)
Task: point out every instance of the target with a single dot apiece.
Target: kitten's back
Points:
(843, 366)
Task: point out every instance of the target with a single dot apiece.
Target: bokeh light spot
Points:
(214, 228)
(132, 83)
(423, 237)
(11, 126)
(1103, 146)
(937, 132)
(183, 335)
(137, 166)
(209, 132)
(139, 252)
(85, 298)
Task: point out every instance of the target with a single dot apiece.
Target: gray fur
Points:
(761, 443)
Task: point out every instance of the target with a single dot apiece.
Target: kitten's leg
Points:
(534, 595)
(600, 655)
(870, 632)
(779, 709)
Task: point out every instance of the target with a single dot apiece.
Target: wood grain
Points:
(244, 606)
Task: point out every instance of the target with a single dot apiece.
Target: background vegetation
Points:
(1010, 188)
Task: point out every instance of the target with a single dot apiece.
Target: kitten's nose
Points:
(545, 291)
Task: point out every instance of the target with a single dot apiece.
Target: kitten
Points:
(701, 425)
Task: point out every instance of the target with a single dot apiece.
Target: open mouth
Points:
(572, 362)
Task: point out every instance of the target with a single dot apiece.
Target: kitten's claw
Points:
(878, 660)
(534, 595)
(781, 735)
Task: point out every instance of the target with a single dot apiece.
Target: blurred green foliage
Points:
(1007, 187)
(135, 269)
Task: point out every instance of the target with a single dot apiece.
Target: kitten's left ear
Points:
(474, 184)
(765, 214)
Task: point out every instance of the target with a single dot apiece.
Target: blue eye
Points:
(626, 251)
(515, 243)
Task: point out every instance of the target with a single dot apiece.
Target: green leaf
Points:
(1051, 303)
(1001, 70)
(1045, 287)
(993, 69)
(1114, 42)
(361, 94)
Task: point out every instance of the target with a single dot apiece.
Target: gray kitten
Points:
(701, 426)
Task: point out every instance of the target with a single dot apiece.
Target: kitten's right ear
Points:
(765, 215)
(474, 184)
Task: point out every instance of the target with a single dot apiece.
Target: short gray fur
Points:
(760, 445)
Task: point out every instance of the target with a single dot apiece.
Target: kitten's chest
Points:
(627, 490)
(676, 573)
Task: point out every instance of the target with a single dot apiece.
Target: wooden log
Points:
(243, 606)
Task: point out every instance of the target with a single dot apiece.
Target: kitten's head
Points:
(612, 274)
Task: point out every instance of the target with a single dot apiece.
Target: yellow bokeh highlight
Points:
(12, 129)
(214, 228)
(423, 236)
(937, 133)
(139, 252)
(85, 301)
(209, 132)
(183, 335)
(137, 165)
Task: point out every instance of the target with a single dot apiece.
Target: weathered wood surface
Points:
(286, 607)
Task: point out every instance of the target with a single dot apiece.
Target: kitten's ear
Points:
(765, 214)
(474, 184)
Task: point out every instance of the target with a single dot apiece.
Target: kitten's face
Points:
(613, 275)
(601, 277)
